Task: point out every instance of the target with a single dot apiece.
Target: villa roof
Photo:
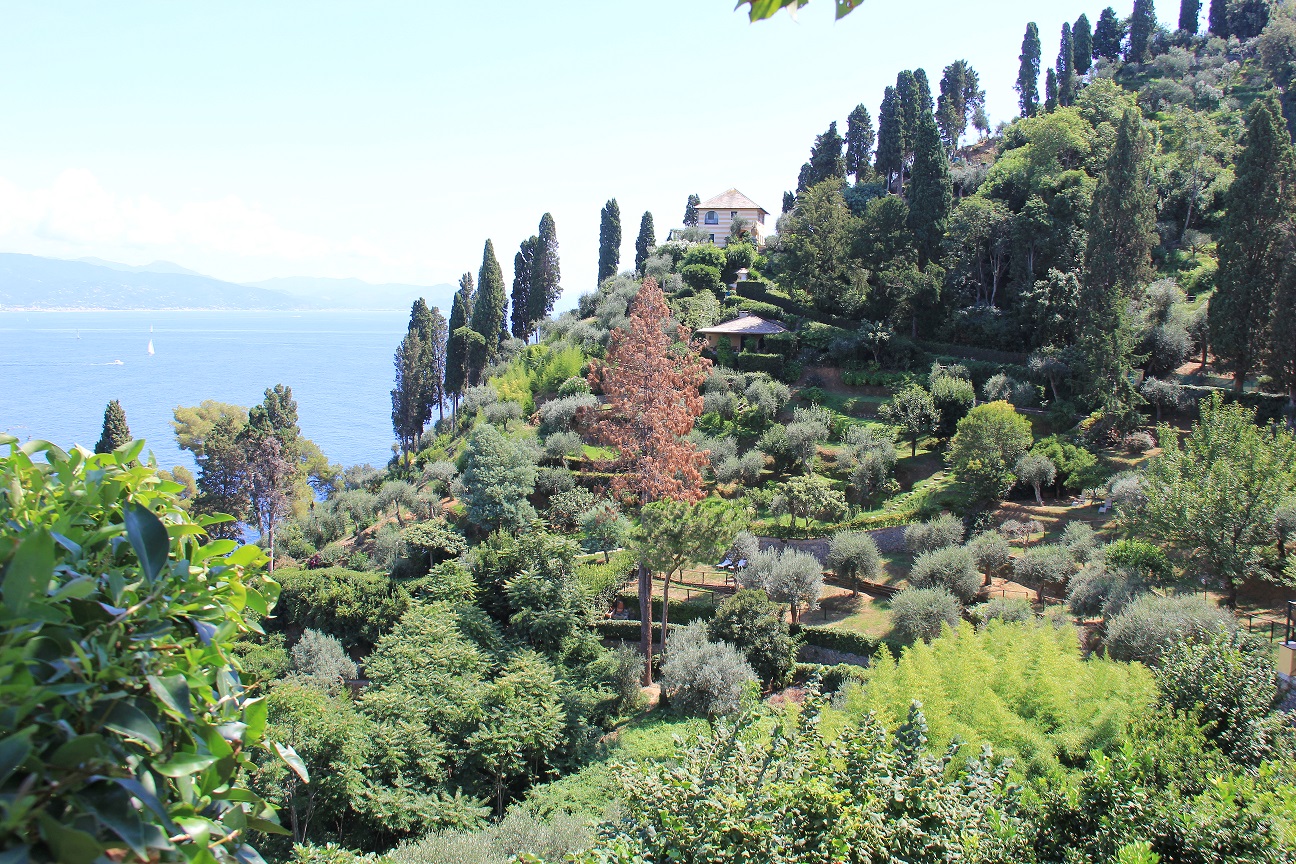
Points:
(731, 199)
(746, 324)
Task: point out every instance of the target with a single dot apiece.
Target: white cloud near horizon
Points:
(76, 217)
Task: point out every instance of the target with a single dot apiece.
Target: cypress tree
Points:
(827, 161)
(1028, 70)
(930, 193)
(1117, 262)
(409, 409)
(951, 107)
(890, 147)
(1082, 45)
(434, 361)
(1189, 15)
(1217, 19)
(789, 201)
(1280, 354)
(520, 317)
(456, 353)
(645, 242)
(907, 93)
(1142, 25)
(691, 211)
(1050, 90)
(922, 87)
(1253, 241)
(1066, 77)
(115, 431)
(609, 240)
(546, 275)
(487, 313)
(1108, 35)
(860, 138)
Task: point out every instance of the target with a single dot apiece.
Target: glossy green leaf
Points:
(128, 720)
(255, 712)
(80, 750)
(265, 826)
(29, 571)
(184, 764)
(293, 761)
(173, 691)
(148, 537)
(69, 845)
(14, 750)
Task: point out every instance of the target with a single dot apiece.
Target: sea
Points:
(59, 369)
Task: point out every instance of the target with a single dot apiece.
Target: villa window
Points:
(712, 218)
(733, 214)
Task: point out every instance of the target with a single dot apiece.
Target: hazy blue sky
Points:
(387, 140)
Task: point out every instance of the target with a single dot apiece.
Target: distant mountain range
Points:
(30, 282)
(356, 294)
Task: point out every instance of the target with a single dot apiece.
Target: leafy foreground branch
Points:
(124, 730)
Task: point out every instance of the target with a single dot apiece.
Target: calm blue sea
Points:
(59, 369)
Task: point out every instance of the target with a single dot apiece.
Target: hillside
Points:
(30, 282)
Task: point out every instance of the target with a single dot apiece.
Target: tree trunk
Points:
(1039, 499)
(665, 616)
(645, 620)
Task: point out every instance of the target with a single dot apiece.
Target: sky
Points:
(388, 140)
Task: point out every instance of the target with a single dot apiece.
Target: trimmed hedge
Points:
(750, 361)
(835, 639)
(626, 631)
(681, 611)
(831, 678)
(878, 378)
(968, 352)
(1268, 406)
(767, 311)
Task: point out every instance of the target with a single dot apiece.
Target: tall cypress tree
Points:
(1050, 90)
(1217, 19)
(1189, 15)
(546, 275)
(930, 194)
(951, 109)
(409, 408)
(456, 353)
(1117, 262)
(1253, 241)
(907, 93)
(609, 240)
(1280, 353)
(1082, 45)
(1142, 25)
(922, 87)
(434, 361)
(115, 431)
(789, 201)
(1108, 35)
(487, 313)
(1066, 76)
(691, 211)
(827, 161)
(645, 242)
(860, 138)
(520, 317)
(890, 145)
(1028, 71)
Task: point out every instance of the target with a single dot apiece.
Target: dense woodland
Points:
(965, 565)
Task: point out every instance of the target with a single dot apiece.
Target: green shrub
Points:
(755, 626)
(123, 714)
(705, 678)
(1152, 625)
(952, 568)
(356, 608)
(1012, 610)
(1023, 688)
(920, 613)
(768, 311)
(936, 533)
(832, 678)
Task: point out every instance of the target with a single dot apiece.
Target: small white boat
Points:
(150, 348)
(116, 363)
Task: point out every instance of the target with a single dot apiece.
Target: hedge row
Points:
(681, 611)
(831, 678)
(878, 378)
(967, 352)
(626, 631)
(750, 361)
(835, 639)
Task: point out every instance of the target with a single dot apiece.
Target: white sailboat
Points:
(150, 348)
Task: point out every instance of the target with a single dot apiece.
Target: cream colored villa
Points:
(717, 215)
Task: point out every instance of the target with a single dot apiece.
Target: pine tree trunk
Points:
(665, 616)
(645, 620)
